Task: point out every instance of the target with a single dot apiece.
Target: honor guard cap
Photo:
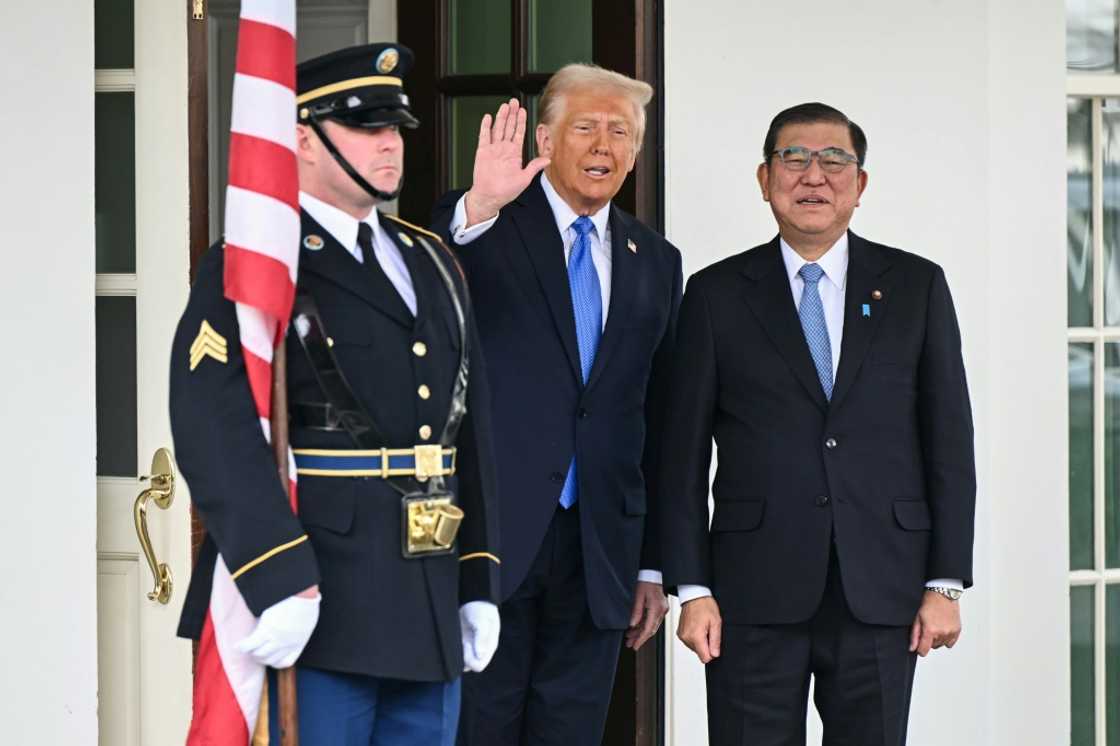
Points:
(357, 86)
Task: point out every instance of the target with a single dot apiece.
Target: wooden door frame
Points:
(198, 128)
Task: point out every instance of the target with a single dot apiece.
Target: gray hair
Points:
(581, 77)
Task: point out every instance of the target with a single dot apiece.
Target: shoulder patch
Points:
(208, 343)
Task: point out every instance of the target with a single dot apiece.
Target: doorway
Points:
(141, 286)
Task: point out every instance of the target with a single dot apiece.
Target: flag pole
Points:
(285, 677)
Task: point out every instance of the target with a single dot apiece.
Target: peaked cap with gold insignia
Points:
(358, 86)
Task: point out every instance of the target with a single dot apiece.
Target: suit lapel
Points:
(769, 297)
(537, 226)
(624, 263)
(866, 270)
(336, 264)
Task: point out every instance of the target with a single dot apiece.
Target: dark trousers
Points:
(342, 709)
(550, 680)
(758, 688)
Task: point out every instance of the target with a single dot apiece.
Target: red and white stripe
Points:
(262, 229)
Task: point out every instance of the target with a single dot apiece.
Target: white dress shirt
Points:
(600, 257)
(344, 228)
(831, 287)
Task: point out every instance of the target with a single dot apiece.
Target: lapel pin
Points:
(311, 242)
(632, 246)
(876, 295)
(405, 239)
(866, 310)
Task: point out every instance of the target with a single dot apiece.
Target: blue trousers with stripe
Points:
(340, 709)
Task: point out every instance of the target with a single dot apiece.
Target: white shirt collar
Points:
(339, 224)
(565, 215)
(834, 262)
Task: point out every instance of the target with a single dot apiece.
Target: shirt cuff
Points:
(954, 583)
(649, 576)
(688, 593)
(462, 235)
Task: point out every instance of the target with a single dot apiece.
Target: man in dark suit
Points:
(828, 370)
(381, 357)
(577, 304)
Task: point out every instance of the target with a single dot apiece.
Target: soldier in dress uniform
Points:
(384, 584)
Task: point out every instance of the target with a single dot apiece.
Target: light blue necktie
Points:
(813, 325)
(587, 302)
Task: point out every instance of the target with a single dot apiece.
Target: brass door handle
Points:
(162, 492)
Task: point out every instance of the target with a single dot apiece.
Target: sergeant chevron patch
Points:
(208, 343)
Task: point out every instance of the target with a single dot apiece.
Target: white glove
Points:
(481, 625)
(282, 632)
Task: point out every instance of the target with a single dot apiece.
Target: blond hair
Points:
(581, 77)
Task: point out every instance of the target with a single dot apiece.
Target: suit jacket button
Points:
(556, 477)
(822, 500)
(419, 349)
(830, 443)
(425, 432)
(583, 413)
(424, 392)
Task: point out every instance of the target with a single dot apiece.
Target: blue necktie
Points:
(813, 325)
(587, 302)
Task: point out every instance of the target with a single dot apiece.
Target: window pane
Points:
(533, 118)
(116, 386)
(1112, 667)
(1112, 453)
(1079, 212)
(115, 182)
(1080, 456)
(1111, 152)
(466, 115)
(1082, 674)
(112, 34)
(559, 33)
(481, 33)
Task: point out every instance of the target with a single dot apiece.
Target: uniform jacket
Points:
(543, 413)
(381, 614)
(885, 470)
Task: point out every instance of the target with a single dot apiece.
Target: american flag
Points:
(262, 229)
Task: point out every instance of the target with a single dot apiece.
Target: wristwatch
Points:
(953, 594)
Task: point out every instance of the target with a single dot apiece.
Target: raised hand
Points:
(498, 173)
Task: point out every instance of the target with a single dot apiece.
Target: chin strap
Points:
(370, 189)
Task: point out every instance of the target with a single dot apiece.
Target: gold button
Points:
(424, 392)
(330, 342)
(419, 349)
(425, 432)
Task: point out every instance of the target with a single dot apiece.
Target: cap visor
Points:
(374, 118)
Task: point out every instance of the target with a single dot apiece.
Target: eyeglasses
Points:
(832, 160)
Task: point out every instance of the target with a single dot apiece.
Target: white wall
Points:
(963, 104)
(48, 692)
